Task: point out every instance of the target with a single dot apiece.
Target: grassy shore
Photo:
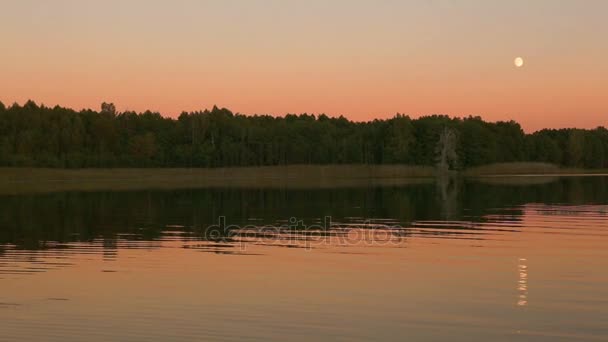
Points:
(527, 169)
(32, 180)
(28, 180)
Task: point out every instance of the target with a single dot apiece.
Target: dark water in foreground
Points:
(464, 261)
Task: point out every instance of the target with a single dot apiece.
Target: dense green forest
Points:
(35, 135)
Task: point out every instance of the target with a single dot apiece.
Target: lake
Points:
(494, 259)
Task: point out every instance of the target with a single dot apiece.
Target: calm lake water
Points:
(520, 259)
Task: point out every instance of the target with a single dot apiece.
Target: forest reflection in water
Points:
(490, 259)
(452, 208)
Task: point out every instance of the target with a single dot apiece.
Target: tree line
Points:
(39, 136)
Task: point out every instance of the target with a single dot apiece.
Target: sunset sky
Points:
(362, 59)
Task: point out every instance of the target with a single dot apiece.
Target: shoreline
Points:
(37, 180)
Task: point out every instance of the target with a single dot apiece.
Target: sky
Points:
(363, 59)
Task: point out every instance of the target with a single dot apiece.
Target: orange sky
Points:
(362, 59)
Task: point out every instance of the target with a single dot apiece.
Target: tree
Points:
(477, 142)
(445, 150)
(143, 147)
(30, 105)
(576, 146)
(543, 148)
(108, 108)
(594, 152)
(399, 139)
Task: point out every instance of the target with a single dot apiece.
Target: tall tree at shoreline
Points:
(446, 155)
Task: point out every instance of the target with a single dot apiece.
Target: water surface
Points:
(498, 260)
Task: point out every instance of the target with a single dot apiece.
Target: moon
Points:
(519, 62)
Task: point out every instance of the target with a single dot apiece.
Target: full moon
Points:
(519, 62)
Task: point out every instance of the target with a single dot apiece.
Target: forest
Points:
(33, 135)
